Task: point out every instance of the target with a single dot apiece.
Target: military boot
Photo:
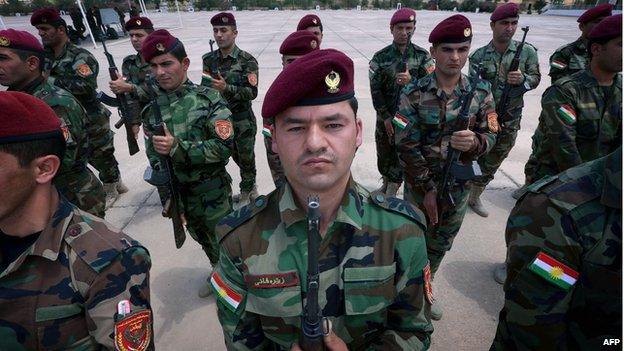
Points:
(206, 289)
(436, 311)
(474, 201)
(500, 273)
(392, 188)
(111, 194)
(384, 185)
(519, 192)
(121, 187)
(246, 197)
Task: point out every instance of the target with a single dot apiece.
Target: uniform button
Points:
(380, 198)
(259, 202)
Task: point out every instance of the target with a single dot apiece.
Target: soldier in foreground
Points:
(392, 68)
(234, 73)
(508, 88)
(293, 47)
(198, 139)
(313, 24)
(564, 253)
(75, 70)
(69, 280)
(21, 64)
(374, 275)
(423, 140)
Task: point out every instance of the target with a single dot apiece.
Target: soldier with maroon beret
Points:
(313, 24)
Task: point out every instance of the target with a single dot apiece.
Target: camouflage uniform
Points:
(74, 179)
(240, 71)
(580, 121)
(373, 268)
(192, 114)
(568, 60)
(62, 291)
(422, 143)
(384, 90)
(494, 69)
(275, 165)
(575, 218)
(135, 71)
(76, 70)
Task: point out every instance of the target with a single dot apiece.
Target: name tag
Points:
(270, 281)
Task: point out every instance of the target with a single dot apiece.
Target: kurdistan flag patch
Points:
(567, 113)
(267, 130)
(554, 271)
(400, 121)
(558, 65)
(230, 298)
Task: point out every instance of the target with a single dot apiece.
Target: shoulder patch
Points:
(236, 218)
(398, 206)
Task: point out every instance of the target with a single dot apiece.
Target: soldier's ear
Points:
(186, 62)
(45, 168)
(33, 63)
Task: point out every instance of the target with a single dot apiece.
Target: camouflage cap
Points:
(607, 29)
(504, 11)
(139, 23)
(223, 19)
(23, 117)
(403, 15)
(602, 10)
(309, 21)
(20, 40)
(455, 29)
(47, 15)
(299, 43)
(157, 43)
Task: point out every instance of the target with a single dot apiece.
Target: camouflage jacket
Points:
(135, 71)
(202, 126)
(579, 122)
(564, 262)
(382, 75)
(426, 119)
(62, 292)
(240, 71)
(76, 70)
(373, 273)
(494, 69)
(568, 59)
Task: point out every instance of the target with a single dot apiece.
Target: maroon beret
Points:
(21, 40)
(319, 78)
(299, 43)
(507, 10)
(607, 29)
(405, 14)
(309, 21)
(23, 117)
(602, 10)
(157, 43)
(47, 15)
(455, 29)
(139, 23)
(223, 19)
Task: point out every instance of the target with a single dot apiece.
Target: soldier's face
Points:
(318, 33)
(168, 71)
(609, 55)
(401, 32)
(16, 187)
(450, 58)
(504, 29)
(50, 36)
(288, 59)
(225, 36)
(13, 71)
(316, 144)
(137, 36)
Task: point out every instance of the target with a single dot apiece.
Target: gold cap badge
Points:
(224, 19)
(467, 32)
(160, 47)
(314, 20)
(312, 44)
(138, 22)
(4, 41)
(411, 17)
(332, 80)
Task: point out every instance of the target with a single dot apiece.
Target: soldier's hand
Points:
(219, 83)
(389, 128)
(135, 131)
(163, 144)
(403, 78)
(120, 85)
(515, 77)
(334, 343)
(431, 206)
(463, 140)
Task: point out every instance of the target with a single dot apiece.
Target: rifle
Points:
(124, 109)
(311, 338)
(454, 169)
(214, 70)
(165, 176)
(402, 67)
(515, 63)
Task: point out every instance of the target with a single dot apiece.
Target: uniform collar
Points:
(32, 86)
(459, 90)
(513, 46)
(233, 54)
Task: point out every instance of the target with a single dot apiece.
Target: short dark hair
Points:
(178, 51)
(27, 151)
(24, 55)
(354, 104)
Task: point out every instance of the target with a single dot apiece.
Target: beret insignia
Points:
(224, 19)
(138, 22)
(4, 41)
(411, 17)
(467, 32)
(314, 21)
(332, 80)
(160, 47)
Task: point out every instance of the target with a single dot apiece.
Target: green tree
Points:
(468, 6)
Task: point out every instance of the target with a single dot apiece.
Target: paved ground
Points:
(471, 299)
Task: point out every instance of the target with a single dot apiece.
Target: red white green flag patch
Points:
(567, 113)
(230, 298)
(267, 131)
(554, 271)
(400, 121)
(558, 65)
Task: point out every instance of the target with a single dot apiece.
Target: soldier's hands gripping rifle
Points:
(503, 104)
(311, 338)
(401, 68)
(165, 176)
(125, 112)
(454, 169)
(214, 70)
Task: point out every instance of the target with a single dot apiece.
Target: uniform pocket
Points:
(368, 289)
(62, 327)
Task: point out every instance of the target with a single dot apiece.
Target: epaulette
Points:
(246, 55)
(531, 45)
(484, 85)
(398, 206)
(237, 218)
(210, 93)
(421, 49)
(422, 83)
(570, 193)
(208, 54)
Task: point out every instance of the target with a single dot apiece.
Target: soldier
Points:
(388, 74)
(234, 73)
(564, 254)
(495, 59)
(64, 271)
(374, 276)
(75, 70)
(21, 64)
(422, 137)
(198, 138)
(293, 47)
(313, 24)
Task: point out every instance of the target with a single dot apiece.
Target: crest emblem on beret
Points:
(314, 20)
(411, 17)
(224, 19)
(138, 22)
(4, 41)
(332, 80)
(160, 47)
(467, 32)
(313, 44)
(44, 20)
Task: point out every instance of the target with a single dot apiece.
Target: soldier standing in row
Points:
(293, 47)
(75, 70)
(392, 68)
(63, 271)
(426, 123)
(313, 24)
(21, 65)
(234, 73)
(374, 275)
(495, 59)
(198, 138)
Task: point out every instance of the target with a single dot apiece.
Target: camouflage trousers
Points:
(84, 190)
(440, 237)
(243, 152)
(490, 162)
(531, 165)
(102, 147)
(275, 165)
(387, 157)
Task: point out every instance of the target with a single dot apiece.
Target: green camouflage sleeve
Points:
(534, 314)
(559, 118)
(73, 119)
(532, 75)
(426, 67)
(558, 65)
(375, 73)
(473, 62)
(249, 88)
(83, 80)
(483, 128)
